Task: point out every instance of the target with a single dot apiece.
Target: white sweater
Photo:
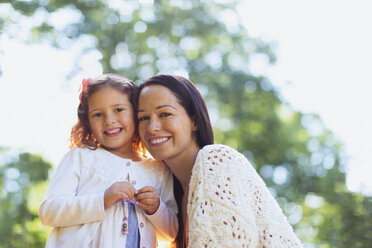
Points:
(229, 204)
(74, 202)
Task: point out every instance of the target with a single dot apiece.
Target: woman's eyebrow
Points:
(165, 105)
(159, 107)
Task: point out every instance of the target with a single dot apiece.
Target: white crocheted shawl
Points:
(229, 204)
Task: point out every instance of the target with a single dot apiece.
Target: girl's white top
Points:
(74, 202)
(229, 204)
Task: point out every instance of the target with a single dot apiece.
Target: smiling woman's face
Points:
(164, 126)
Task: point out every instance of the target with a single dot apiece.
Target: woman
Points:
(225, 202)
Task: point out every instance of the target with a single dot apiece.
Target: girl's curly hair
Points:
(81, 134)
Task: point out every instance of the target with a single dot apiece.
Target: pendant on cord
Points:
(124, 227)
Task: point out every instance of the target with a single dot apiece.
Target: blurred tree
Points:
(21, 185)
(301, 161)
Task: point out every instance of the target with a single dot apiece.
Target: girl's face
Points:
(110, 116)
(164, 126)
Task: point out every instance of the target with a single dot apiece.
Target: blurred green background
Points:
(304, 171)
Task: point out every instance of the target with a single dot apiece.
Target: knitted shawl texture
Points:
(229, 204)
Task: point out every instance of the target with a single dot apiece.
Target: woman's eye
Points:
(143, 118)
(165, 114)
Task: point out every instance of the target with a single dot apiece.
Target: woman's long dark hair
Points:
(193, 102)
(190, 99)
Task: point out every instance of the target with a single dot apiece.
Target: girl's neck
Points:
(126, 153)
(182, 165)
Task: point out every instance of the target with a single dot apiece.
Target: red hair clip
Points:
(84, 87)
(85, 83)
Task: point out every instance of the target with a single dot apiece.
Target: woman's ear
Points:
(194, 126)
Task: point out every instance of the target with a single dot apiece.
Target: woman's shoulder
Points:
(219, 151)
(218, 157)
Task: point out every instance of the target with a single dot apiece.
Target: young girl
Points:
(104, 193)
(225, 202)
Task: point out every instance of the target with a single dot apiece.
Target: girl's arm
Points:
(62, 205)
(165, 219)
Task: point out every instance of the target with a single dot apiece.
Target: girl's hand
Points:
(119, 191)
(148, 199)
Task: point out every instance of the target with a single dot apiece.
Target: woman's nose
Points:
(154, 125)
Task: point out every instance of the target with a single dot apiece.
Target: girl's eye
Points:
(96, 115)
(119, 110)
(143, 118)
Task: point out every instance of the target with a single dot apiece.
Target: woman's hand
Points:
(119, 191)
(148, 199)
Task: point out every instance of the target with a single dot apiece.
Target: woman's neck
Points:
(181, 166)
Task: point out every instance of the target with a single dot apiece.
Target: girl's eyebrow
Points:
(159, 107)
(120, 104)
(114, 105)
(93, 110)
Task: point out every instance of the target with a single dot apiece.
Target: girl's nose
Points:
(110, 119)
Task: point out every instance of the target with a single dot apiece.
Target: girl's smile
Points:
(111, 120)
(112, 132)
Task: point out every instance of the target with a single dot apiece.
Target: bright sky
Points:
(324, 66)
(324, 63)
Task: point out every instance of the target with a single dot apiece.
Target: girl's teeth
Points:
(113, 131)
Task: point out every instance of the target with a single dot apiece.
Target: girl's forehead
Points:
(108, 95)
(108, 90)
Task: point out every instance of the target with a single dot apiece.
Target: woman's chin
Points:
(158, 155)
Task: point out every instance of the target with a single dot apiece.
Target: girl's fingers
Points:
(129, 189)
(119, 191)
(147, 189)
(141, 205)
(124, 196)
(147, 201)
(142, 196)
(150, 207)
(145, 204)
(146, 192)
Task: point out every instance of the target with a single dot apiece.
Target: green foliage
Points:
(19, 176)
(301, 161)
(344, 220)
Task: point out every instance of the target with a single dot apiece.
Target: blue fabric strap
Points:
(133, 237)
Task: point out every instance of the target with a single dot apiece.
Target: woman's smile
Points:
(159, 140)
(164, 126)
